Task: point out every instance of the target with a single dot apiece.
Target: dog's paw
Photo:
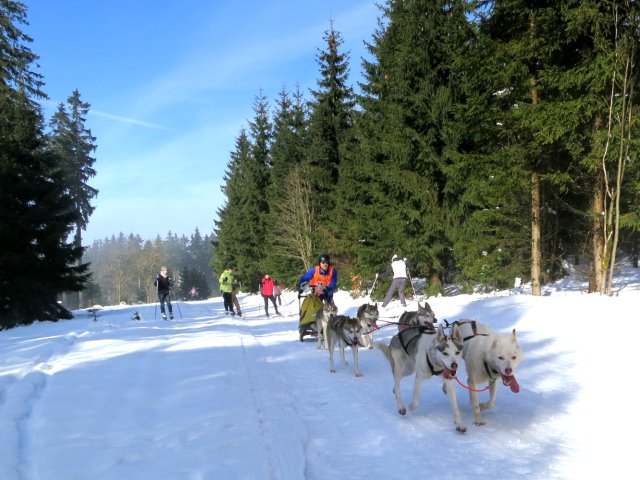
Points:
(480, 422)
(461, 428)
(402, 411)
(413, 405)
(358, 374)
(486, 406)
(332, 370)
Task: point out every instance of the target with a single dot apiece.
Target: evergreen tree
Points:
(239, 228)
(36, 213)
(394, 188)
(74, 144)
(288, 148)
(330, 135)
(16, 59)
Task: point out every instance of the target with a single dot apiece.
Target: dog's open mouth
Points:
(511, 382)
(448, 374)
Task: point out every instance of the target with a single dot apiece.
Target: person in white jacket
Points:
(399, 268)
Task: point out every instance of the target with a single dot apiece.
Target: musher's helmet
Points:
(324, 258)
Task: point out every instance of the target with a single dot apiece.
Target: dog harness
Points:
(416, 331)
(474, 328)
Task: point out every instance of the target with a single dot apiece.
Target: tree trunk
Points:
(78, 243)
(536, 243)
(597, 206)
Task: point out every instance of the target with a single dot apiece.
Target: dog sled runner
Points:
(308, 310)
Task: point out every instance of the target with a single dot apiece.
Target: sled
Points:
(93, 312)
(308, 310)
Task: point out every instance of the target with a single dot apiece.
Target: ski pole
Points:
(415, 296)
(155, 310)
(286, 304)
(177, 303)
(375, 280)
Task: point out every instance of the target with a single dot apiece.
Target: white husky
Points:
(429, 353)
(488, 356)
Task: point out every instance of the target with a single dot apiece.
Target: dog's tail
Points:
(383, 348)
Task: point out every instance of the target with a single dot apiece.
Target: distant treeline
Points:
(123, 269)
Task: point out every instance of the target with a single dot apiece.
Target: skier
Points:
(164, 284)
(399, 268)
(226, 282)
(267, 293)
(234, 297)
(277, 292)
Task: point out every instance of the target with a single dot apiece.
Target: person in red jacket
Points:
(267, 293)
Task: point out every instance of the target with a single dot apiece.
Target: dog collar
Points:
(433, 372)
(493, 373)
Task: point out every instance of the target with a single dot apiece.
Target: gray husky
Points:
(329, 310)
(368, 316)
(488, 356)
(423, 317)
(430, 353)
(344, 331)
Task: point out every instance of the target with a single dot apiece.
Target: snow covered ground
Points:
(212, 397)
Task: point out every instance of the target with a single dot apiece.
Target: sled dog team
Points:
(425, 349)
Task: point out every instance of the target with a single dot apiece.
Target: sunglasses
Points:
(324, 261)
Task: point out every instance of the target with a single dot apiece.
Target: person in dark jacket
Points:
(163, 284)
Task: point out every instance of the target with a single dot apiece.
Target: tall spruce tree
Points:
(36, 212)
(287, 153)
(74, 145)
(16, 59)
(330, 134)
(240, 225)
(395, 187)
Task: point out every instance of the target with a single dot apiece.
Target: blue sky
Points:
(170, 86)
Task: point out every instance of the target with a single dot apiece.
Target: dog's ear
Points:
(441, 336)
(456, 335)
